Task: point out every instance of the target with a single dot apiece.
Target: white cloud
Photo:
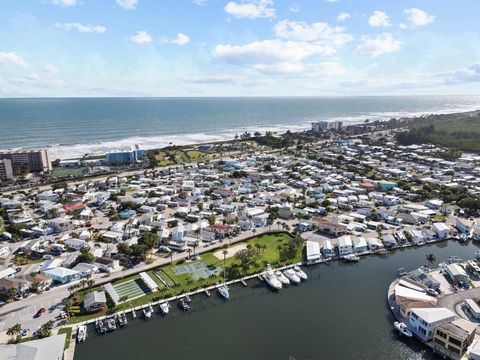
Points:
(200, 2)
(64, 3)
(127, 4)
(295, 8)
(419, 17)
(470, 74)
(12, 58)
(251, 9)
(343, 16)
(181, 39)
(300, 31)
(379, 19)
(83, 28)
(141, 37)
(376, 45)
(327, 68)
(331, 1)
(269, 52)
(51, 69)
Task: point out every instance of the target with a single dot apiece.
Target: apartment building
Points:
(32, 160)
(6, 170)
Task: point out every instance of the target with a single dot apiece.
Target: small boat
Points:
(351, 257)
(122, 319)
(272, 280)
(400, 326)
(164, 307)
(147, 313)
(82, 333)
(282, 278)
(183, 304)
(223, 290)
(292, 276)
(111, 324)
(101, 327)
(300, 273)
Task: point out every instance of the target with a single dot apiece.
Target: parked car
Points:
(40, 312)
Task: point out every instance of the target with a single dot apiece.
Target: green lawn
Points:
(68, 332)
(185, 283)
(66, 172)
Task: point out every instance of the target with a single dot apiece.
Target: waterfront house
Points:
(472, 307)
(441, 229)
(360, 245)
(345, 245)
(423, 321)
(422, 277)
(312, 253)
(389, 240)
(374, 244)
(464, 226)
(453, 338)
(417, 237)
(456, 274)
(327, 248)
(95, 301)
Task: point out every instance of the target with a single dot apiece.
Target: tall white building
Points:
(6, 170)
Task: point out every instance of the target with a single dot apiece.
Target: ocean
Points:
(72, 127)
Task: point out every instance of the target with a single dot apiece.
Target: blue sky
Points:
(238, 48)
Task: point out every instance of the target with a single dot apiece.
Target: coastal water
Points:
(73, 127)
(340, 313)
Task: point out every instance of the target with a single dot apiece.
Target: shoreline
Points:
(159, 142)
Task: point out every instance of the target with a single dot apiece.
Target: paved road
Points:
(451, 300)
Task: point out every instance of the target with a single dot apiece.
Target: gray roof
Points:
(50, 348)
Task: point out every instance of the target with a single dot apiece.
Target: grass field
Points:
(66, 172)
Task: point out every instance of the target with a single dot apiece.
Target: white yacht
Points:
(282, 278)
(292, 276)
(147, 313)
(82, 333)
(272, 280)
(300, 273)
(400, 326)
(164, 307)
(351, 257)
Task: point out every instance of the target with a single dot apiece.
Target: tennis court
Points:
(197, 269)
(133, 288)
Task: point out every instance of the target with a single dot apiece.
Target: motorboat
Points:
(272, 280)
(147, 313)
(282, 278)
(291, 275)
(82, 333)
(101, 327)
(351, 257)
(223, 290)
(183, 304)
(300, 273)
(111, 324)
(164, 307)
(400, 326)
(122, 319)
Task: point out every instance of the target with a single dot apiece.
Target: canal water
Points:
(340, 313)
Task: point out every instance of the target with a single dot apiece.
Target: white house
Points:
(327, 249)
(345, 245)
(417, 237)
(360, 245)
(423, 321)
(441, 229)
(312, 253)
(463, 225)
(75, 244)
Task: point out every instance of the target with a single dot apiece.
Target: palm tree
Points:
(15, 330)
(278, 224)
(431, 258)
